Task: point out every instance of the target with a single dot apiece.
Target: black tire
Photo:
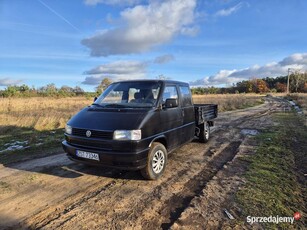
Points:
(156, 162)
(204, 133)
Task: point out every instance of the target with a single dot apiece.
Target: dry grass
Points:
(301, 100)
(39, 113)
(228, 102)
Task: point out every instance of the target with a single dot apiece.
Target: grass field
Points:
(39, 113)
(34, 126)
(227, 102)
(275, 178)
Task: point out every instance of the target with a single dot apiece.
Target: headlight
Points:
(68, 129)
(133, 135)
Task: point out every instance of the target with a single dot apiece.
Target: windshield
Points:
(130, 94)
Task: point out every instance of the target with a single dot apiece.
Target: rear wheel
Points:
(156, 162)
(204, 133)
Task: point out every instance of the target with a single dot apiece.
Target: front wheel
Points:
(156, 162)
(204, 133)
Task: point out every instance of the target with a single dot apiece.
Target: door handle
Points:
(182, 112)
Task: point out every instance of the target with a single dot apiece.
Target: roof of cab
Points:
(157, 80)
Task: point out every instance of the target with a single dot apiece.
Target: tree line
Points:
(50, 90)
(297, 84)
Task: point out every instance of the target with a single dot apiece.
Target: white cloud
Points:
(295, 59)
(164, 59)
(96, 80)
(123, 70)
(92, 80)
(226, 77)
(190, 31)
(144, 27)
(118, 70)
(8, 81)
(119, 67)
(112, 2)
(228, 11)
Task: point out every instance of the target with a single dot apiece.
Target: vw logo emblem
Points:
(88, 133)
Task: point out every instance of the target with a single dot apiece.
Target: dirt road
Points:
(198, 185)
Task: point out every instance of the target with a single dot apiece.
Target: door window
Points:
(186, 96)
(169, 92)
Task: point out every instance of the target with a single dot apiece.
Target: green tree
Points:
(66, 89)
(212, 90)
(78, 90)
(24, 88)
(103, 85)
(10, 91)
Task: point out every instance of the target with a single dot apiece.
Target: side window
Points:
(186, 96)
(169, 92)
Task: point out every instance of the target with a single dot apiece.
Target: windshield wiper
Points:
(98, 105)
(114, 105)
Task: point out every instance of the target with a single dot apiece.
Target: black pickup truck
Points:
(135, 124)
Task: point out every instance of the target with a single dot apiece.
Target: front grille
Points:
(94, 133)
(92, 144)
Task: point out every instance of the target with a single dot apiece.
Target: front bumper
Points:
(114, 159)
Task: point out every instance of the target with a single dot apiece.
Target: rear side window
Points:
(170, 92)
(185, 95)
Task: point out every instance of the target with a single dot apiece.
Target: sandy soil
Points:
(198, 185)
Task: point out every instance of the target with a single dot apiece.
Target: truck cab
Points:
(135, 124)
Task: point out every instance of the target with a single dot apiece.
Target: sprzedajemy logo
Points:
(273, 219)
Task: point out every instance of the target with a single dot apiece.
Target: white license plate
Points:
(87, 155)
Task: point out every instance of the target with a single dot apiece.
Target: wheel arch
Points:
(161, 139)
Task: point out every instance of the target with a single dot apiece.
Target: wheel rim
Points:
(158, 161)
(206, 130)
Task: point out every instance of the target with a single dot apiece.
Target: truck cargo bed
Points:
(205, 112)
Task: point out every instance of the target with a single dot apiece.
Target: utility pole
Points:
(293, 71)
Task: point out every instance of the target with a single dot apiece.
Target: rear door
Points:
(188, 114)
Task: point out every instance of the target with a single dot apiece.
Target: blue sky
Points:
(209, 42)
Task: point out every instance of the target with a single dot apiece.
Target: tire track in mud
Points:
(56, 215)
(173, 201)
(178, 203)
(53, 212)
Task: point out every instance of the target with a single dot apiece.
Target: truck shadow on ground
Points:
(77, 170)
(71, 170)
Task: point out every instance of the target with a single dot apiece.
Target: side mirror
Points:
(171, 103)
(95, 99)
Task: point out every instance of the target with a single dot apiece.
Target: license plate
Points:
(87, 155)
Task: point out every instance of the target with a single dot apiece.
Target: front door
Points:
(171, 118)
